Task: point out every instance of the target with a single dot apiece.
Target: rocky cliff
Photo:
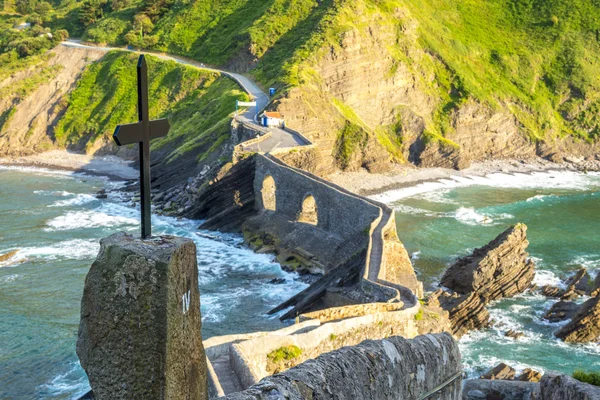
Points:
(499, 269)
(585, 325)
(32, 100)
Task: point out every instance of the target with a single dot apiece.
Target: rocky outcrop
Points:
(529, 375)
(561, 311)
(386, 369)
(564, 387)
(485, 389)
(499, 269)
(585, 325)
(500, 372)
(140, 330)
(466, 311)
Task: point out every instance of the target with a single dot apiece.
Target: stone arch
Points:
(309, 213)
(268, 193)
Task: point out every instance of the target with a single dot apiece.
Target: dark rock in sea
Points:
(499, 269)
(585, 325)
(500, 372)
(596, 287)
(580, 283)
(466, 311)
(101, 194)
(551, 291)
(514, 334)
(6, 256)
(529, 375)
(561, 311)
(277, 281)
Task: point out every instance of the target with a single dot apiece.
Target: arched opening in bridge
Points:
(268, 193)
(309, 213)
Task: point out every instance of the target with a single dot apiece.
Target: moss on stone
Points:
(284, 353)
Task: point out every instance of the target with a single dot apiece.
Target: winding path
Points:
(279, 138)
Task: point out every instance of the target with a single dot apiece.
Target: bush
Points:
(593, 378)
(284, 353)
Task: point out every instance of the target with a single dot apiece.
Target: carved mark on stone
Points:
(185, 302)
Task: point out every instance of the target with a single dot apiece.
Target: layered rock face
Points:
(585, 325)
(140, 330)
(499, 269)
(466, 311)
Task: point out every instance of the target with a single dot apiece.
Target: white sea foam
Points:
(71, 382)
(9, 278)
(53, 193)
(536, 180)
(470, 216)
(78, 200)
(88, 219)
(37, 170)
(541, 197)
(77, 249)
(545, 277)
(415, 256)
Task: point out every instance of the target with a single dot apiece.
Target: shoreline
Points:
(110, 166)
(402, 176)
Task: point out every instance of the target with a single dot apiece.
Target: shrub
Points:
(593, 378)
(284, 353)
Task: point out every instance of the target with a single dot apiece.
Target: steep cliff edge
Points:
(32, 100)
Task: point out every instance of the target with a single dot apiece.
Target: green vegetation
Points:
(285, 353)
(593, 378)
(198, 104)
(332, 337)
(419, 315)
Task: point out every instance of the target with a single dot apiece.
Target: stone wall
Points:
(249, 358)
(393, 368)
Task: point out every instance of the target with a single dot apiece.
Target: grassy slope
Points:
(198, 104)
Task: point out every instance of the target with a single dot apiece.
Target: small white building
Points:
(23, 25)
(269, 118)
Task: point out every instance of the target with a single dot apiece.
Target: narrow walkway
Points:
(227, 378)
(279, 138)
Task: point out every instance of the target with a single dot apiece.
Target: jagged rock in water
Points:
(551, 291)
(499, 269)
(6, 256)
(579, 283)
(585, 325)
(514, 334)
(529, 375)
(561, 311)
(500, 372)
(466, 312)
(596, 287)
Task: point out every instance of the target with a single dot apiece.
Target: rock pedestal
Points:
(140, 329)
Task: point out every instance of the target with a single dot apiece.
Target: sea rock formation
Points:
(499, 269)
(585, 325)
(466, 311)
(500, 372)
(561, 311)
(529, 375)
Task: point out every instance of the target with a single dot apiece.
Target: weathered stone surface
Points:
(466, 311)
(513, 334)
(596, 287)
(585, 325)
(529, 375)
(561, 311)
(500, 372)
(393, 368)
(499, 269)
(484, 389)
(580, 282)
(564, 387)
(140, 329)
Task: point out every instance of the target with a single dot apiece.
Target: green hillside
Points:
(198, 104)
(536, 59)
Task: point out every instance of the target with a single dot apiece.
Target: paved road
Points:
(279, 137)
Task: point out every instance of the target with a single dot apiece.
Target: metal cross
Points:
(142, 132)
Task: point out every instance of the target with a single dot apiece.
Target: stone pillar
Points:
(140, 329)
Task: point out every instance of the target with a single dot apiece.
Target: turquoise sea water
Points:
(55, 223)
(440, 221)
